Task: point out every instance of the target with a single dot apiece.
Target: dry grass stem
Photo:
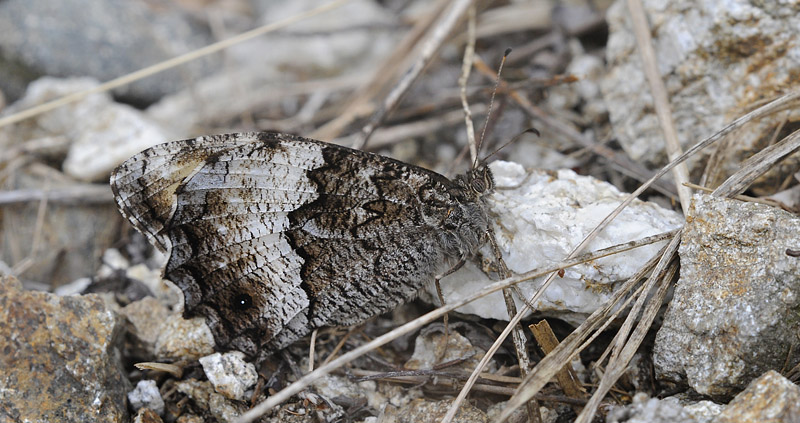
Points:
(440, 30)
(466, 69)
(358, 103)
(757, 165)
(660, 99)
(570, 346)
(172, 369)
(625, 350)
(739, 197)
(74, 194)
(547, 341)
(622, 163)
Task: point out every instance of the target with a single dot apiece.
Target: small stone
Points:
(146, 318)
(146, 415)
(190, 418)
(428, 345)
(101, 132)
(230, 374)
(59, 358)
(203, 394)
(769, 399)
(649, 410)
(424, 411)
(146, 395)
(184, 339)
(703, 411)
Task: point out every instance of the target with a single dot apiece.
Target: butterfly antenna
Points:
(491, 102)
(516, 137)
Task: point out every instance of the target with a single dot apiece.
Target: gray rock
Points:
(424, 411)
(717, 58)
(206, 398)
(59, 358)
(649, 410)
(146, 395)
(769, 399)
(180, 338)
(99, 38)
(230, 374)
(734, 313)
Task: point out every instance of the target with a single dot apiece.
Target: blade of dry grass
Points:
(660, 99)
(167, 64)
(757, 165)
(74, 194)
(466, 69)
(626, 347)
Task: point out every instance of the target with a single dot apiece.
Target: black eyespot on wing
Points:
(242, 302)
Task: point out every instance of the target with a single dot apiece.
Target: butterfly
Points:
(270, 235)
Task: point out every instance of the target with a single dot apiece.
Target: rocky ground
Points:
(90, 331)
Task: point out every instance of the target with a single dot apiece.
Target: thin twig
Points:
(73, 194)
(311, 348)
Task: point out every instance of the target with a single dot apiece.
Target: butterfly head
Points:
(478, 181)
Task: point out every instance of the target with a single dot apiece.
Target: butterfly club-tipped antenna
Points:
(481, 162)
(491, 106)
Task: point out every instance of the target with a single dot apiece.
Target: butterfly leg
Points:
(442, 348)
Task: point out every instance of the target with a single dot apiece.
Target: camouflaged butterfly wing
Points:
(270, 235)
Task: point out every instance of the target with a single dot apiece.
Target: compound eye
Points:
(479, 185)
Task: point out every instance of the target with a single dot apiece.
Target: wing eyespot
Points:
(242, 302)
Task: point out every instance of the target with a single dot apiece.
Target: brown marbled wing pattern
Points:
(272, 235)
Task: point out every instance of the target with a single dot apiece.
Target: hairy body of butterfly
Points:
(271, 235)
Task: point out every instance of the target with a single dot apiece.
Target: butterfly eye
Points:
(478, 185)
(242, 302)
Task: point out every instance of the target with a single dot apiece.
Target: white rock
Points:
(230, 374)
(101, 132)
(146, 395)
(541, 217)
